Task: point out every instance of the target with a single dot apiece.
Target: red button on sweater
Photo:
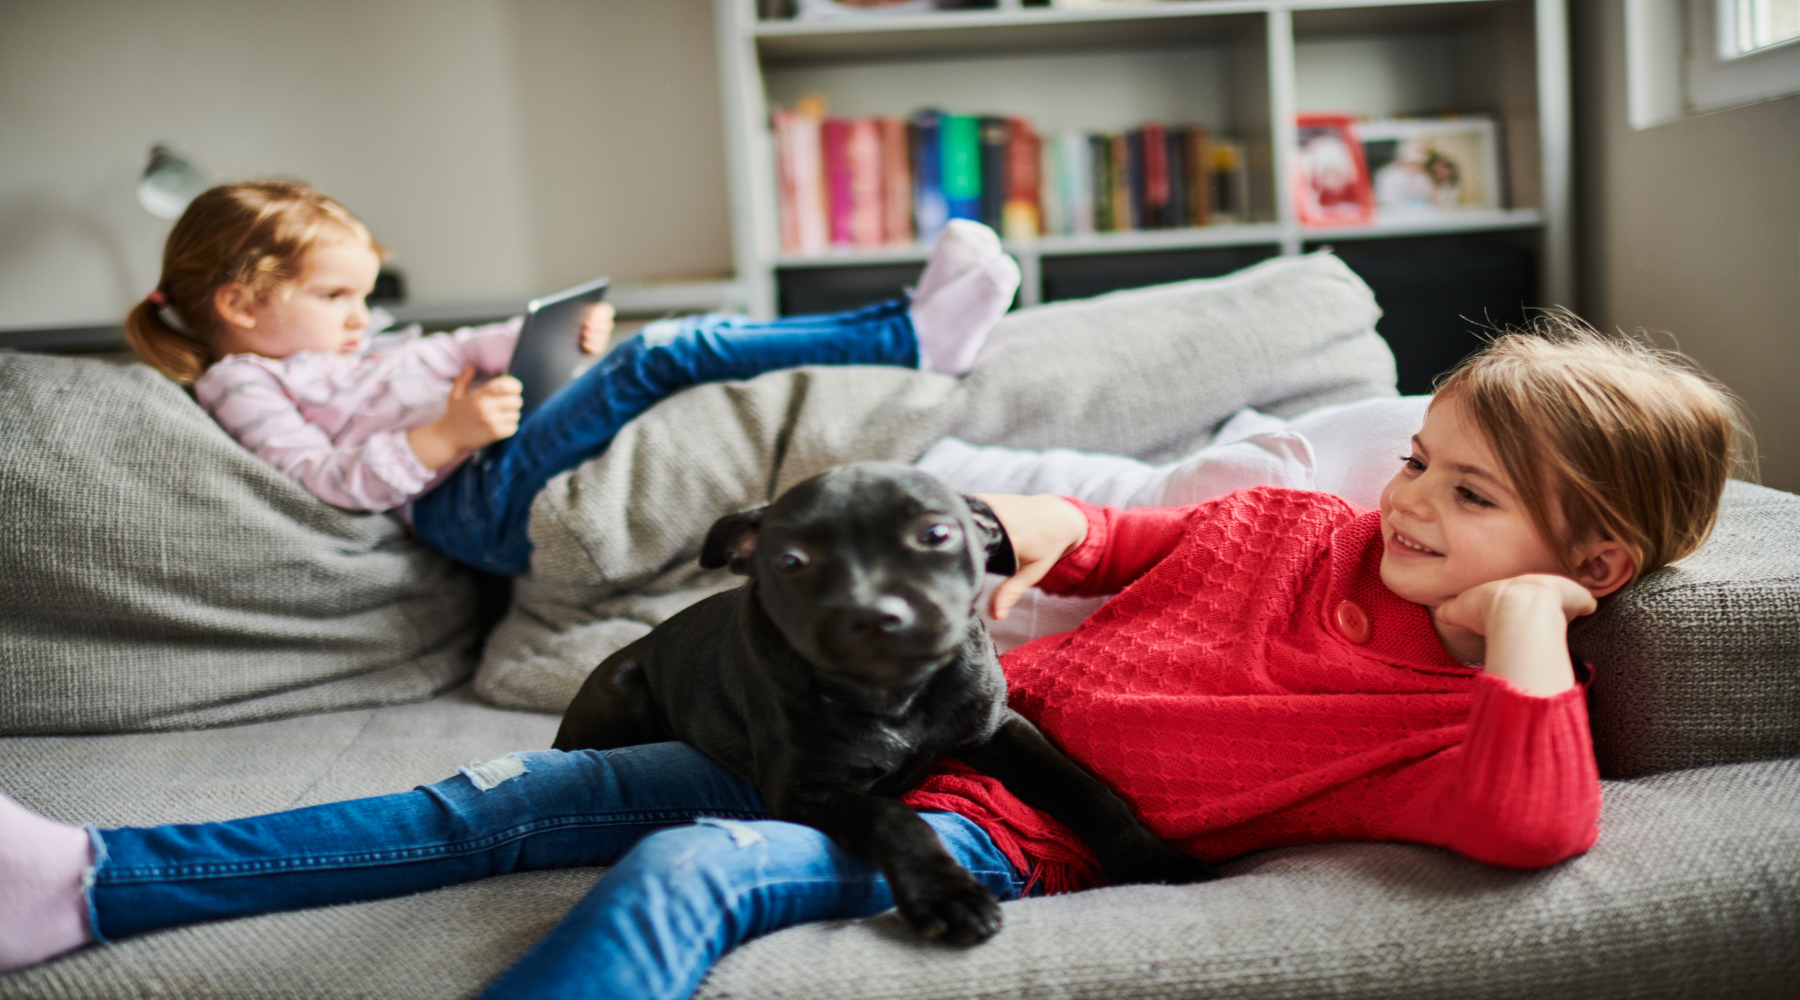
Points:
(1219, 695)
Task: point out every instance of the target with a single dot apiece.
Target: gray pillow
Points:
(1148, 372)
(155, 575)
(1699, 663)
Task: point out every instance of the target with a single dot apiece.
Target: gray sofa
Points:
(185, 635)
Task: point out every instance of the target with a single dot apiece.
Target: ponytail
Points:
(152, 332)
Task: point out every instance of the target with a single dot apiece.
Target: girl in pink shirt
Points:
(261, 308)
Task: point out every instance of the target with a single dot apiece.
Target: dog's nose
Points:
(884, 617)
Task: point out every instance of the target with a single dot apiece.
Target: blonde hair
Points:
(257, 233)
(1629, 442)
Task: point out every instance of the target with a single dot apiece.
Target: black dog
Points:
(848, 664)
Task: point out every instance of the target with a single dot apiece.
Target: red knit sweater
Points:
(1225, 695)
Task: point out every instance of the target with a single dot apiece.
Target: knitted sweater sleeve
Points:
(1121, 545)
(378, 474)
(488, 347)
(1521, 791)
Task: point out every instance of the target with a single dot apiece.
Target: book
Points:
(1121, 170)
(1229, 188)
(995, 138)
(801, 175)
(834, 137)
(1021, 215)
(862, 156)
(931, 209)
(1100, 155)
(960, 141)
(1175, 157)
(896, 181)
(1153, 176)
(1196, 172)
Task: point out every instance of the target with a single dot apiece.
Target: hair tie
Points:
(166, 312)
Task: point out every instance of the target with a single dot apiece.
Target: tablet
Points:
(548, 353)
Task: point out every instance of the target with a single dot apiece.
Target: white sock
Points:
(965, 288)
(963, 244)
(42, 865)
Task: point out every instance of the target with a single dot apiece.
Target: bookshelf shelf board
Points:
(965, 33)
(1170, 23)
(1472, 221)
(1252, 234)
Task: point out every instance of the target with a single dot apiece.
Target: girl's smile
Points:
(1451, 520)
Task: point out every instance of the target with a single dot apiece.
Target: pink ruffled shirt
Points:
(337, 424)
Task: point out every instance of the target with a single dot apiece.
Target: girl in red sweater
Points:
(1278, 667)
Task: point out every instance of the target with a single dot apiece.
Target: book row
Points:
(870, 181)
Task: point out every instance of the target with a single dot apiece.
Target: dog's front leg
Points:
(940, 899)
(1043, 777)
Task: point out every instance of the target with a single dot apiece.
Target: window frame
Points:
(1676, 65)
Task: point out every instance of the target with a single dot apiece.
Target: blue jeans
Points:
(697, 866)
(478, 515)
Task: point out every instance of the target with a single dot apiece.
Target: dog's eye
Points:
(938, 535)
(790, 561)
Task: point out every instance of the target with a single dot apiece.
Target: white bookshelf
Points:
(1243, 68)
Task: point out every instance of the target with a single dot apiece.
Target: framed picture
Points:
(1331, 179)
(1423, 166)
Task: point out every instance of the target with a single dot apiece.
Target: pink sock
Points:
(42, 864)
(966, 287)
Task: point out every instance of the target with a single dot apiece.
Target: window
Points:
(1690, 57)
(1759, 24)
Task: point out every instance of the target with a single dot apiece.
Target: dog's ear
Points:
(732, 541)
(993, 539)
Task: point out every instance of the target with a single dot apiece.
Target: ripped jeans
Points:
(698, 867)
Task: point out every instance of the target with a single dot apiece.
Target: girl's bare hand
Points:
(1479, 608)
(1042, 530)
(1518, 628)
(472, 418)
(596, 333)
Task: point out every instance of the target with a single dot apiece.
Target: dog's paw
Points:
(954, 909)
(1147, 860)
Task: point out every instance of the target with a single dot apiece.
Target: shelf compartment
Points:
(1465, 57)
(1132, 241)
(994, 32)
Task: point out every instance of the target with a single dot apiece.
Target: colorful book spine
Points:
(1078, 166)
(1196, 177)
(1122, 170)
(804, 229)
(995, 140)
(862, 155)
(836, 136)
(1175, 157)
(1100, 153)
(959, 136)
(1053, 207)
(896, 181)
(1153, 176)
(931, 209)
(1021, 216)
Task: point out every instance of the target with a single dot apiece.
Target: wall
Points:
(1693, 228)
(501, 147)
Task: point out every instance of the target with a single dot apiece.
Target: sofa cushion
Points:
(1699, 663)
(156, 575)
(1148, 372)
(1691, 891)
